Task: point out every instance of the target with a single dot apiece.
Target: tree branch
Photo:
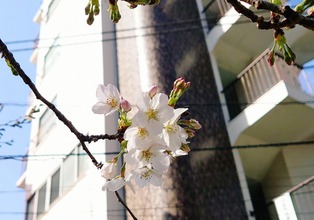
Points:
(291, 17)
(82, 138)
(125, 206)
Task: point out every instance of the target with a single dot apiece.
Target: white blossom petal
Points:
(109, 100)
(174, 136)
(145, 176)
(114, 184)
(108, 170)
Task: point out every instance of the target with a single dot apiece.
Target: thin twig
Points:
(124, 204)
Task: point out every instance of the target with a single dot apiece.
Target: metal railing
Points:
(256, 79)
(303, 199)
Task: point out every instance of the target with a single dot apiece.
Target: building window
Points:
(83, 161)
(41, 199)
(52, 7)
(51, 58)
(46, 122)
(55, 186)
(30, 208)
(69, 171)
(73, 166)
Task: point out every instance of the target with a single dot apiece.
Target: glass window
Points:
(41, 199)
(83, 161)
(68, 171)
(30, 208)
(55, 186)
(46, 122)
(51, 58)
(214, 10)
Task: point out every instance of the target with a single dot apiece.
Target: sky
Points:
(16, 24)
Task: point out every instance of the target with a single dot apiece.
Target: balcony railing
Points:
(303, 199)
(214, 10)
(257, 79)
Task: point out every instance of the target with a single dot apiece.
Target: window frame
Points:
(52, 8)
(46, 122)
(53, 183)
(51, 57)
(55, 190)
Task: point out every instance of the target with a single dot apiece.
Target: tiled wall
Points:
(203, 185)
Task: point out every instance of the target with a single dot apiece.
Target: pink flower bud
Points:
(190, 132)
(152, 91)
(271, 58)
(181, 84)
(179, 87)
(195, 124)
(125, 105)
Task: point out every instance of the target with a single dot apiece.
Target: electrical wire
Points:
(15, 104)
(194, 150)
(210, 23)
(172, 25)
(210, 20)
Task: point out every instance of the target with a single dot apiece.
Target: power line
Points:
(214, 20)
(218, 148)
(211, 22)
(169, 25)
(15, 104)
(267, 185)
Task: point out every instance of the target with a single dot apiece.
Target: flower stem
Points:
(124, 204)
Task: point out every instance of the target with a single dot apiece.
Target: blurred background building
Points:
(251, 160)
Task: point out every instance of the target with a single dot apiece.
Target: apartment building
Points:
(264, 106)
(60, 180)
(237, 97)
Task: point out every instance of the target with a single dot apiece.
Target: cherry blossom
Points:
(109, 100)
(139, 134)
(156, 109)
(144, 176)
(108, 170)
(152, 156)
(114, 184)
(173, 134)
(155, 135)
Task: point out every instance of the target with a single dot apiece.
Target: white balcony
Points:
(268, 105)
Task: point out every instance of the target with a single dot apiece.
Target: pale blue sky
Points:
(16, 24)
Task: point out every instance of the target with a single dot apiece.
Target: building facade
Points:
(267, 111)
(237, 97)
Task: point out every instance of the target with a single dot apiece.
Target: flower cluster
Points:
(155, 134)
